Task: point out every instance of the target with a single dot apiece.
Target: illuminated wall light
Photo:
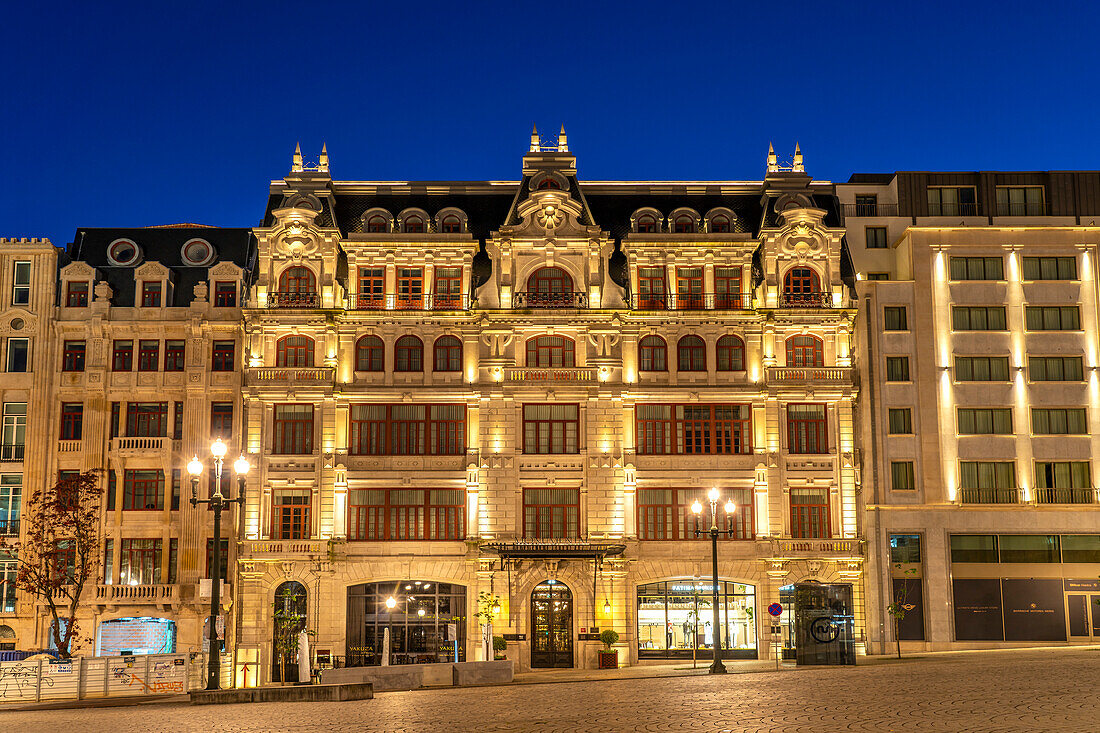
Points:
(629, 377)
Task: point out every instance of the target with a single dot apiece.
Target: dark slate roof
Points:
(613, 210)
(871, 177)
(485, 212)
(828, 202)
(161, 244)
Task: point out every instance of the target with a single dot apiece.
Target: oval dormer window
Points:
(197, 252)
(123, 253)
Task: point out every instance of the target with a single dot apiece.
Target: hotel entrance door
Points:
(551, 625)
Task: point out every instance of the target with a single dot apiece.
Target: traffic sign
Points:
(775, 609)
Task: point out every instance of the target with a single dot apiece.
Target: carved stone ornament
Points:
(295, 235)
(103, 291)
(201, 289)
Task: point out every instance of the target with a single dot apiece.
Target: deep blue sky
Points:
(125, 115)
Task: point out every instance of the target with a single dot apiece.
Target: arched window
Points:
(297, 288)
(731, 354)
(647, 224)
(550, 287)
(290, 618)
(550, 351)
(369, 354)
(451, 224)
(805, 351)
(377, 224)
(684, 224)
(720, 224)
(294, 351)
(548, 183)
(801, 288)
(448, 354)
(691, 354)
(408, 354)
(652, 354)
(414, 225)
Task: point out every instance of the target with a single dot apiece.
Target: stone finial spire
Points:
(296, 161)
(563, 141)
(323, 162)
(536, 144)
(773, 161)
(798, 167)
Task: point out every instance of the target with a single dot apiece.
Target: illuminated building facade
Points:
(979, 419)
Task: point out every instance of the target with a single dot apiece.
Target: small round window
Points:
(197, 252)
(123, 252)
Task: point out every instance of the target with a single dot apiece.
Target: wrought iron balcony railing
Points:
(293, 300)
(423, 302)
(550, 300)
(805, 300)
(691, 301)
(9, 527)
(954, 209)
(10, 452)
(869, 209)
(1032, 209)
(1065, 496)
(989, 496)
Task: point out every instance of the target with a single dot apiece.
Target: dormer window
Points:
(684, 224)
(123, 253)
(450, 224)
(76, 294)
(647, 224)
(548, 183)
(225, 294)
(197, 253)
(150, 294)
(720, 225)
(414, 225)
(377, 224)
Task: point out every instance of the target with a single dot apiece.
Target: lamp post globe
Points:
(713, 498)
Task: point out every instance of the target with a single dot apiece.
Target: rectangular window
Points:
(9, 567)
(978, 318)
(410, 288)
(11, 492)
(223, 561)
(981, 368)
(876, 237)
(372, 287)
(727, 287)
(665, 514)
(112, 490)
(225, 294)
(902, 477)
(14, 431)
(551, 514)
(150, 294)
(1050, 268)
(173, 356)
(177, 480)
(116, 418)
(866, 204)
(108, 561)
(293, 427)
(1059, 421)
(905, 549)
(809, 512)
(551, 428)
(694, 429)
(223, 356)
(21, 284)
(1057, 475)
(290, 514)
(897, 369)
(72, 420)
(173, 561)
(1029, 548)
(221, 420)
(177, 421)
(1056, 368)
(147, 419)
(1020, 201)
(1053, 318)
(139, 562)
(19, 350)
(985, 421)
(977, 268)
(406, 514)
(448, 288)
(651, 288)
(1080, 548)
(987, 474)
(407, 429)
(952, 201)
(901, 421)
(76, 294)
(806, 428)
(142, 490)
(123, 356)
(689, 288)
(973, 548)
(875, 276)
(895, 318)
(148, 356)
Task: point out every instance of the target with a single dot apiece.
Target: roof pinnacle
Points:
(296, 161)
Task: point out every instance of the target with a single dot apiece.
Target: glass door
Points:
(551, 626)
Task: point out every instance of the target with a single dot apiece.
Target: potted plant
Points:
(499, 646)
(609, 658)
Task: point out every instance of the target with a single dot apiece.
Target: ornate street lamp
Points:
(217, 503)
(713, 496)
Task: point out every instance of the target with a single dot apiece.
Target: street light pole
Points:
(218, 502)
(716, 666)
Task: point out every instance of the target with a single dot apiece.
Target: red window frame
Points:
(684, 224)
(551, 351)
(150, 294)
(139, 560)
(727, 288)
(730, 350)
(377, 224)
(142, 490)
(372, 288)
(548, 183)
(406, 514)
(413, 224)
(381, 430)
(805, 351)
(122, 356)
(174, 355)
(647, 224)
(221, 420)
(810, 519)
(689, 288)
(223, 356)
(408, 354)
(451, 224)
(73, 354)
(370, 354)
(558, 433)
(720, 224)
(294, 351)
(694, 429)
(72, 420)
(691, 354)
(297, 279)
(652, 293)
(447, 291)
(549, 286)
(292, 431)
(146, 419)
(551, 513)
(652, 354)
(148, 355)
(801, 286)
(410, 288)
(807, 435)
(76, 294)
(290, 515)
(665, 514)
(225, 294)
(447, 354)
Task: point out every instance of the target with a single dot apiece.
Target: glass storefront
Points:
(676, 619)
(426, 622)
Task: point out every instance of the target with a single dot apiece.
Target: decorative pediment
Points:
(552, 211)
(18, 322)
(151, 271)
(225, 271)
(78, 271)
(296, 236)
(803, 234)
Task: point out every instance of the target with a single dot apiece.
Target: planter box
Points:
(609, 660)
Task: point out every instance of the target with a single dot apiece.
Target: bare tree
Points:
(60, 551)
